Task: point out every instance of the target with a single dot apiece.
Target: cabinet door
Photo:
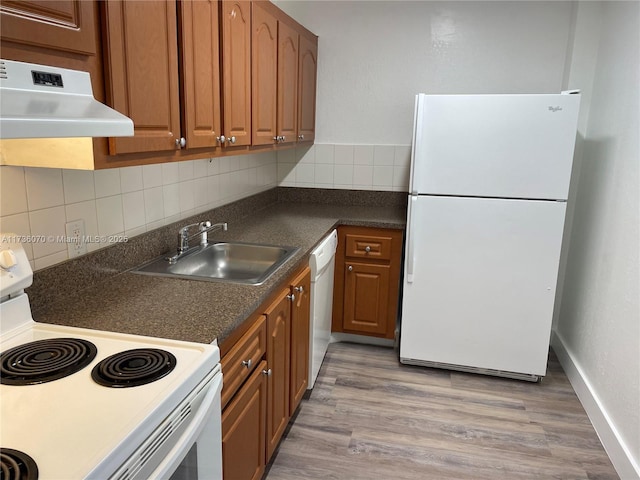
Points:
(307, 89)
(142, 72)
(236, 70)
(278, 358)
(200, 72)
(287, 83)
(65, 25)
(366, 298)
(243, 430)
(241, 360)
(264, 44)
(300, 320)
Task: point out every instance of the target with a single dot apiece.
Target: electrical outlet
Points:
(76, 244)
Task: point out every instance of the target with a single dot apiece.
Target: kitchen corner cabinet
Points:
(367, 281)
(265, 376)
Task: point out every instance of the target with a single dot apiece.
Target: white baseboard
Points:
(620, 455)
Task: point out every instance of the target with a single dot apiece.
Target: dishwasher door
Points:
(322, 264)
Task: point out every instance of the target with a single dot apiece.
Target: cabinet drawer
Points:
(368, 246)
(243, 358)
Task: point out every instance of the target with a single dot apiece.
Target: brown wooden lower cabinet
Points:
(278, 358)
(266, 375)
(243, 430)
(366, 298)
(300, 324)
(367, 281)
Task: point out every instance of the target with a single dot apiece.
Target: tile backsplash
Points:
(352, 167)
(36, 203)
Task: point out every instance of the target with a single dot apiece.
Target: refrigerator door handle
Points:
(410, 234)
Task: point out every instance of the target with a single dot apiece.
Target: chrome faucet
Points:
(203, 229)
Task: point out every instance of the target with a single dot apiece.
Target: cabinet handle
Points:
(299, 289)
(181, 142)
(284, 139)
(221, 139)
(247, 363)
(350, 268)
(300, 137)
(367, 249)
(266, 372)
(292, 297)
(231, 139)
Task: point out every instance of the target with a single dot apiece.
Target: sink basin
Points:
(223, 262)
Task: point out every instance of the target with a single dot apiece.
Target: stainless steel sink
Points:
(222, 262)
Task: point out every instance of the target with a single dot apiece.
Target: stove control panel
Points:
(15, 270)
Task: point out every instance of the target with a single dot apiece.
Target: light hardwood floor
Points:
(369, 417)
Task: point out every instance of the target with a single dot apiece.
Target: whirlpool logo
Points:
(554, 109)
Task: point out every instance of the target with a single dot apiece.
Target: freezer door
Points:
(504, 146)
(483, 285)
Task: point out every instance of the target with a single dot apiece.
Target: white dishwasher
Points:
(322, 264)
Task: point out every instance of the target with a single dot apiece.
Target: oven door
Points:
(197, 455)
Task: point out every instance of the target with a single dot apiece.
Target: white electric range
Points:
(78, 403)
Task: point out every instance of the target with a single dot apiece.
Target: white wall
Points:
(598, 329)
(374, 56)
(121, 201)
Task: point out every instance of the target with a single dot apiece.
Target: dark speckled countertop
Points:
(201, 311)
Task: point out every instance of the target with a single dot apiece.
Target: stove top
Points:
(133, 367)
(16, 465)
(60, 415)
(45, 360)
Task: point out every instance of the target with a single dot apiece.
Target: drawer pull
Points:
(292, 297)
(350, 268)
(299, 289)
(367, 249)
(247, 363)
(266, 372)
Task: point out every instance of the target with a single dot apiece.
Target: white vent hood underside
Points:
(33, 107)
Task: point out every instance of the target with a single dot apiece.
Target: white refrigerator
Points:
(487, 200)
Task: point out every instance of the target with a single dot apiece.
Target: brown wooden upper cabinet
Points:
(264, 70)
(308, 65)
(236, 71)
(63, 25)
(284, 78)
(200, 69)
(143, 73)
(197, 77)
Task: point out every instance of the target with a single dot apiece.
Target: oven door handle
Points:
(210, 406)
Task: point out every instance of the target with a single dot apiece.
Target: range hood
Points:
(38, 101)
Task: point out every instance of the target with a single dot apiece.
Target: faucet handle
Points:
(183, 237)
